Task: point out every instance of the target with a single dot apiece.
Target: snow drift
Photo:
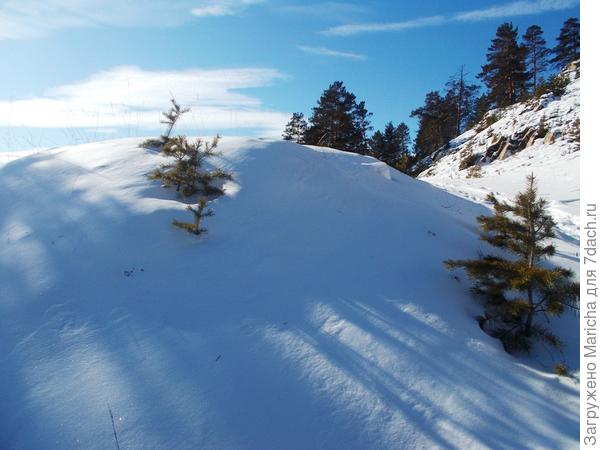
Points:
(316, 312)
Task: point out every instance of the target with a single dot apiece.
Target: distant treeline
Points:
(514, 71)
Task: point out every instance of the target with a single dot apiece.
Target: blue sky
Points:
(83, 70)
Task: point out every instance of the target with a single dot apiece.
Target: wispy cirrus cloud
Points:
(515, 9)
(212, 8)
(324, 51)
(351, 29)
(134, 98)
(27, 19)
(512, 9)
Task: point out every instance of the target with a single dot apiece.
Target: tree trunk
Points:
(530, 264)
(529, 320)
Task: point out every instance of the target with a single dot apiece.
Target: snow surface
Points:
(316, 312)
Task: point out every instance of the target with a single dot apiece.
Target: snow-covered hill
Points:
(316, 312)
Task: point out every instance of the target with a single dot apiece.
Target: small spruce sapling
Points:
(199, 212)
(517, 290)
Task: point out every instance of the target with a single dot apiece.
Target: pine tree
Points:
(436, 124)
(482, 105)
(170, 120)
(505, 73)
(295, 130)
(461, 98)
(567, 48)
(338, 121)
(517, 290)
(171, 117)
(186, 172)
(403, 137)
(536, 55)
(362, 126)
(392, 145)
(199, 214)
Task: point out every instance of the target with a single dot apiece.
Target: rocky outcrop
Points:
(549, 120)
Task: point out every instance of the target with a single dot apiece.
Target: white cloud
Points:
(210, 8)
(347, 30)
(26, 19)
(134, 98)
(513, 9)
(323, 51)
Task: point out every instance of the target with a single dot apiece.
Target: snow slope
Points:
(315, 313)
(553, 158)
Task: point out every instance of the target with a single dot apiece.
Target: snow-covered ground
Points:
(316, 312)
(6, 157)
(557, 173)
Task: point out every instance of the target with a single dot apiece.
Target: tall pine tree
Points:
(519, 289)
(392, 145)
(437, 124)
(295, 130)
(338, 121)
(362, 125)
(505, 73)
(536, 55)
(567, 47)
(461, 97)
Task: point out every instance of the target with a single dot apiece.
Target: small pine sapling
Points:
(170, 119)
(186, 172)
(515, 291)
(199, 212)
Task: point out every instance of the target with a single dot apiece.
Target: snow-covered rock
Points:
(316, 312)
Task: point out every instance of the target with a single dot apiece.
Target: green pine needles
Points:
(187, 174)
(516, 291)
(186, 170)
(199, 212)
(170, 119)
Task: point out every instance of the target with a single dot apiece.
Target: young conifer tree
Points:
(173, 173)
(199, 212)
(517, 290)
(170, 119)
(187, 172)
